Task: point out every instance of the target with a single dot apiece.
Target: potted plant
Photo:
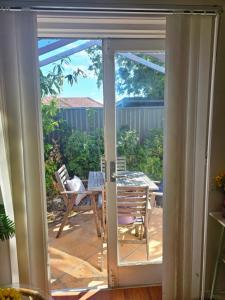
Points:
(7, 226)
(220, 185)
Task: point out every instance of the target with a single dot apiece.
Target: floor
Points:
(75, 256)
(144, 293)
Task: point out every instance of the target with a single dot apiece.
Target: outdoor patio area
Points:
(75, 257)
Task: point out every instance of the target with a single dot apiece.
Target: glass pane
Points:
(139, 86)
(72, 112)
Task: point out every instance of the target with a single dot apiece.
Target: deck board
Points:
(142, 293)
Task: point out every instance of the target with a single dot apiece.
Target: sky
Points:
(85, 87)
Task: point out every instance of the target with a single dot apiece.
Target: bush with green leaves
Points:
(153, 145)
(52, 154)
(83, 152)
(128, 145)
(146, 156)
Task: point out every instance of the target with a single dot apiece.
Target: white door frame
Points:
(145, 273)
(50, 29)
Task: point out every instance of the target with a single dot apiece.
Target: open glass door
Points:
(131, 190)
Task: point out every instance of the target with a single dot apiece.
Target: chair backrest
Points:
(120, 164)
(62, 176)
(132, 201)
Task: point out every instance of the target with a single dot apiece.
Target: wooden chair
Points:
(69, 198)
(134, 202)
(120, 164)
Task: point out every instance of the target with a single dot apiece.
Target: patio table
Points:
(96, 182)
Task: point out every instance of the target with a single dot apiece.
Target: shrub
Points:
(83, 152)
(128, 145)
(52, 154)
(153, 146)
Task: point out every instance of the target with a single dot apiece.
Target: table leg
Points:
(93, 200)
(220, 248)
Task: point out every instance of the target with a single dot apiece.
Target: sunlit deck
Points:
(75, 257)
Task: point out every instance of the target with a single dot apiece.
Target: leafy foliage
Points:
(135, 79)
(95, 55)
(52, 154)
(52, 82)
(132, 78)
(128, 145)
(146, 156)
(153, 146)
(7, 227)
(83, 152)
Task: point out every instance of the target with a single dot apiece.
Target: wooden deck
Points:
(75, 256)
(142, 293)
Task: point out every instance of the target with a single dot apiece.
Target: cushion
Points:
(76, 185)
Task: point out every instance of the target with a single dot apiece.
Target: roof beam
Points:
(55, 45)
(144, 62)
(91, 43)
(67, 53)
(159, 56)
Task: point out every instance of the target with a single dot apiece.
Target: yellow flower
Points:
(12, 293)
(5, 292)
(9, 294)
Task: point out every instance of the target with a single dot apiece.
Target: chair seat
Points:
(87, 201)
(125, 220)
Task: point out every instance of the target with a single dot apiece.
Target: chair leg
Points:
(65, 217)
(147, 243)
(95, 215)
(142, 232)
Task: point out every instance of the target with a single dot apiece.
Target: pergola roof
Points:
(45, 47)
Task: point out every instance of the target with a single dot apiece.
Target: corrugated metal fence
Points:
(140, 119)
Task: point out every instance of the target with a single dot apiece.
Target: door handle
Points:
(112, 171)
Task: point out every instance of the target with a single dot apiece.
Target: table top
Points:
(217, 215)
(96, 180)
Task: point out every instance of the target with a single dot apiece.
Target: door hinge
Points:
(113, 282)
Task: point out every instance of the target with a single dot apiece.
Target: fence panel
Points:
(141, 119)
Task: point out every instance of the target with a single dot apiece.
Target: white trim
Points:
(120, 275)
(208, 155)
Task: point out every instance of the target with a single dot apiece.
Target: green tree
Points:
(52, 84)
(132, 78)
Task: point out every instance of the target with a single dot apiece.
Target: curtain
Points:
(22, 173)
(189, 47)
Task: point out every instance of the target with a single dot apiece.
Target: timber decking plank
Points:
(142, 293)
